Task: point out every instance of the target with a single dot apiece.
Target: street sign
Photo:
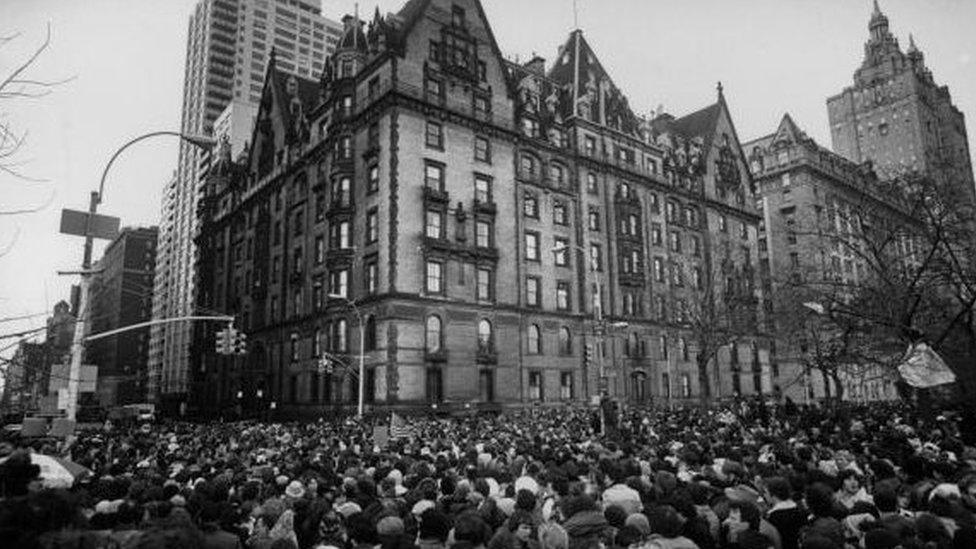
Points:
(73, 222)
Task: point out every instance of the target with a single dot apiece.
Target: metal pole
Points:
(78, 342)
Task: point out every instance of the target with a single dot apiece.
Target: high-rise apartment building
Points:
(228, 46)
(895, 115)
(817, 209)
(479, 232)
(121, 295)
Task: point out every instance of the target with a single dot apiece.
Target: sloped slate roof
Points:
(308, 95)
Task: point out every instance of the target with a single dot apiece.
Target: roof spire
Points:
(911, 42)
(877, 9)
(575, 16)
(721, 94)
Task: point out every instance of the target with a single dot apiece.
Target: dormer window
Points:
(346, 69)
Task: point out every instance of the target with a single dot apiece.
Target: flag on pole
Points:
(924, 368)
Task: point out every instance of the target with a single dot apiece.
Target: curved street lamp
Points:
(78, 340)
(362, 351)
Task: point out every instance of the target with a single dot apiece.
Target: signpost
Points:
(77, 223)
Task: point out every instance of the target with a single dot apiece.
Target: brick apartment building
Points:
(463, 212)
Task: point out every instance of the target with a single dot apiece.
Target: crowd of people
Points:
(873, 476)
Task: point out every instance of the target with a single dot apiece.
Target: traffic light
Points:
(588, 354)
(239, 342)
(223, 341)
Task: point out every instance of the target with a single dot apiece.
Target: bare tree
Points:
(910, 241)
(722, 310)
(18, 83)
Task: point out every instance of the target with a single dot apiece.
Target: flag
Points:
(399, 427)
(924, 368)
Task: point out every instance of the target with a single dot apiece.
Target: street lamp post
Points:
(602, 385)
(362, 352)
(78, 340)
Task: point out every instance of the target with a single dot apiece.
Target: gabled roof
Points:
(788, 130)
(700, 123)
(578, 69)
(413, 11)
(307, 92)
(276, 90)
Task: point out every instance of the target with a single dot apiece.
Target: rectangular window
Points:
(484, 237)
(566, 385)
(435, 88)
(532, 246)
(435, 224)
(674, 241)
(593, 218)
(482, 149)
(723, 223)
(532, 288)
(656, 238)
(744, 231)
(434, 176)
(589, 146)
(482, 107)
(659, 269)
(373, 179)
(530, 205)
(561, 251)
(339, 283)
(435, 277)
(559, 213)
(485, 284)
(435, 136)
(535, 385)
(562, 295)
(596, 257)
(655, 203)
(319, 249)
(372, 226)
(482, 189)
(695, 245)
(371, 276)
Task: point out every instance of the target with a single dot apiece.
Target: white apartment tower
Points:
(228, 46)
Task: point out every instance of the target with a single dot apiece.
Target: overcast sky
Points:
(772, 56)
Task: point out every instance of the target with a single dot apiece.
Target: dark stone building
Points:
(121, 295)
(456, 216)
(895, 115)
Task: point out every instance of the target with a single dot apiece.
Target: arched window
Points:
(535, 340)
(369, 333)
(684, 349)
(485, 341)
(633, 225)
(633, 345)
(565, 341)
(433, 333)
(685, 385)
